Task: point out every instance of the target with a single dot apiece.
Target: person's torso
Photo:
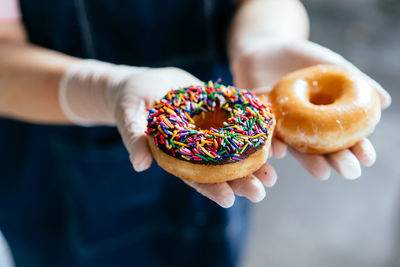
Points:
(153, 33)
(83, 175)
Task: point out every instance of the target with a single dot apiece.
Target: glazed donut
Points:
(210, 133)
(324, 108)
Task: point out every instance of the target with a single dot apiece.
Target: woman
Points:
(68, 195)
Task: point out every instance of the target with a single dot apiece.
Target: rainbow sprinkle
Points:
(246, 128)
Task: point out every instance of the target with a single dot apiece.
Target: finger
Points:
(266, 174)
(220, 193)
(249, 187)
(315, 164)
(140, 154)
(345, 163)
(278, 148)
(364, 152)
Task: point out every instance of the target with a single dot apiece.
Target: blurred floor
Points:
(304, 222)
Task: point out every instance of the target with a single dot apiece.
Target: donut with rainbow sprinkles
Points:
(210, 133)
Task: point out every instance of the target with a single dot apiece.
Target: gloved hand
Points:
(97, 93)
(259, 62)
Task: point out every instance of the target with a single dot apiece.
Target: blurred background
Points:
(304, 222)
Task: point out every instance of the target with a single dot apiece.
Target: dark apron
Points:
(69, 195)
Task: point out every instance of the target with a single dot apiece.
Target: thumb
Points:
(384, 96)
(263, 90)
(131, 124)
(322, 55)
(140, 154)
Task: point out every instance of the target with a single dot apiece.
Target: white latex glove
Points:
(97, 93)
(260, 62)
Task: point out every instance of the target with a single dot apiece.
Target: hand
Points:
(260, 62)
(97, 93)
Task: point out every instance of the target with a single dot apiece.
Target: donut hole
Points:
(214, 119)
(326, 89)
(322, 99)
